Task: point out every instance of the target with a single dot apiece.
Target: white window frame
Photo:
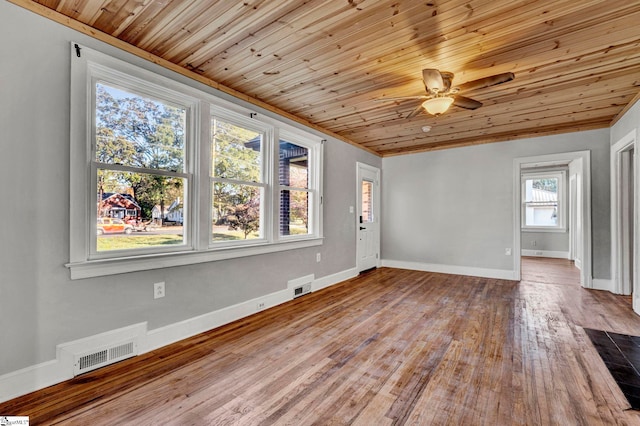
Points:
(314, 162)
(198, 247)
(561, 175)
(136, 85)
(266, 184)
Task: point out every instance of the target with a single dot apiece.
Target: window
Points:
(296, 195)
(140, 169)
(367, 201)
(237, 181)
(543, 201)
(160, 170)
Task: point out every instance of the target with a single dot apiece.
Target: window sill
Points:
(103, 267)
(543, 229)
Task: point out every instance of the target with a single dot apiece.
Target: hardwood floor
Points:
(545, 270)
(389, 347)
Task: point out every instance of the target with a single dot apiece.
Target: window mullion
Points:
(133, 169)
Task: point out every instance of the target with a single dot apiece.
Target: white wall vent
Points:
(104, 356)
(301, 286)
(301, 290)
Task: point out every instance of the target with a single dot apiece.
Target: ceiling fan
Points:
(440, 95)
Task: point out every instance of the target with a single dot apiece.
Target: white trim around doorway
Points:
(617, 186)
(585, 207)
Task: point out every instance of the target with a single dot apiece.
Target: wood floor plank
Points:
(389, 347)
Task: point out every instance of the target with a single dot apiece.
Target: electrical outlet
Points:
(351, 209)
(318, 257)
(507, 252)
(260, 306)
(158, 290)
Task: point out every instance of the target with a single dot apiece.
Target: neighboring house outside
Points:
(119, 206)
(173, 213)
(541, 207)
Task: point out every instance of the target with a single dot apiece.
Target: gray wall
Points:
(41, 306)
(549, 241)
(455, 207)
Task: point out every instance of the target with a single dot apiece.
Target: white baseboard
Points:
(29, 379)
(501, 274)
(332, 279)
(172, 333)
(602, 284)
(39, 376)
(545, 253)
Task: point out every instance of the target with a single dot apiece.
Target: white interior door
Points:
(368, 217)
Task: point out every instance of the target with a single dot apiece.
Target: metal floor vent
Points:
(104, 356)
(302, 290)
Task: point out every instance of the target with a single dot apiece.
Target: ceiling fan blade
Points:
(481, 83)
(402, 98)
(433, 80)
(467, 103)
(447, 78)
(415, 112)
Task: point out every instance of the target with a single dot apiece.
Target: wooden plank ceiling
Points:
(576, 62)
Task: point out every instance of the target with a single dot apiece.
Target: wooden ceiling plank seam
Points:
(395, 32)
(544, 49)
(488, 127)
(133, 15)
(205, 31)
(478, 120)
(494, 132)
(51, 4)
(617, 77)
(115, 42)
(520, 81)
(162, 26)
(293, 77)
(382, 133)
(340, 31)
(353, 39)
(464, 143)
(291, 23)
(191, 20)
(348, 50)
(482, 127)
(142, 22)
(222, 30)
(600, 67)
(236, 49)
(584, 20)
(576, 63)
(613, 33)
(116, 14)
(80, 10)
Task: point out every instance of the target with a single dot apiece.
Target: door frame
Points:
(376, 208)
(617, 249)
(586, 277)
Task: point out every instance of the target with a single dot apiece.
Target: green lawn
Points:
(137, 241)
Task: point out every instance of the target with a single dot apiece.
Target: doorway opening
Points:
(624, 224)
(552, 197)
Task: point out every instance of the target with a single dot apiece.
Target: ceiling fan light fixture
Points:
(436, 106)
